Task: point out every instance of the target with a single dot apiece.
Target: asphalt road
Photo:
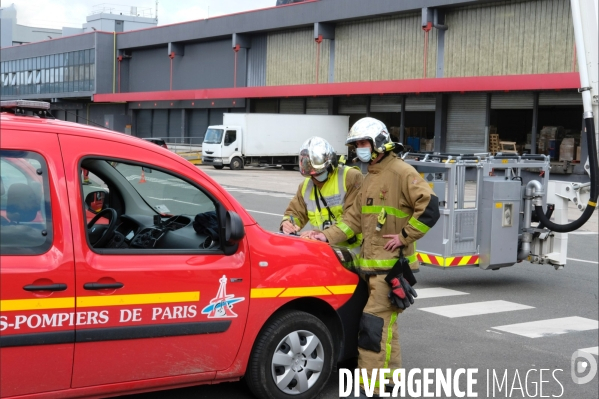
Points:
(483, 330)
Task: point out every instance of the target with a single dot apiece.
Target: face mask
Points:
(364, 154)
(322, 177)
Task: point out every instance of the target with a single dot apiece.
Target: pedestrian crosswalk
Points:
(468, 309)
(546, 328)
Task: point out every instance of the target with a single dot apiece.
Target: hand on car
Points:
(314, 235)
(289, 228)
(393, 243)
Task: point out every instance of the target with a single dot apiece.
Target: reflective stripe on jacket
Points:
(412, 209)
(339, 190)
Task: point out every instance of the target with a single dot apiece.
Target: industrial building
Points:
(442, 74)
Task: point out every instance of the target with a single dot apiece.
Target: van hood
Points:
(212, 150)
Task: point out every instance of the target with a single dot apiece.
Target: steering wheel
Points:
(102, 236)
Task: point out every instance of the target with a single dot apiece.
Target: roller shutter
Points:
(269, 106)
(421, 103)
(160, 123)
(291, 106)
(143, 123)
(317, 106)
(466, 116)
(174, 123)
(385, 104)
(553, 98)
(352, 105)
(71, 115)
(216, 116)
(511, 101)
(197, 122)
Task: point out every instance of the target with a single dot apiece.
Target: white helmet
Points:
(372, 130)
(316, 156)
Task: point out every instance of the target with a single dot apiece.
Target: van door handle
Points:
(102, 286)
(49, 287)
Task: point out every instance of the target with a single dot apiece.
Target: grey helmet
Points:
(316, 156)
(372, 130)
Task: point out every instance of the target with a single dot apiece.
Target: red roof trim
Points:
(553, 81)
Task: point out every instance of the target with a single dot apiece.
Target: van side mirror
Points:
(95, 201)
(234, 232)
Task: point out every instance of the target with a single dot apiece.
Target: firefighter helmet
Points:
(372, 130)
(316, 157)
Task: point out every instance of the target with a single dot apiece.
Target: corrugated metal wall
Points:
(383, 49)
(256, 72)
(509, 38)
(291, 58)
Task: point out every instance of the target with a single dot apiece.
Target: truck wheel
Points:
(236, 164)
(292, 358)
(218, 166)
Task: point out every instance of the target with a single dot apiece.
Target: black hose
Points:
(550, 209)
(594, 173)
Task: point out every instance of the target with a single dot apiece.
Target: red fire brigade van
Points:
(152, 276)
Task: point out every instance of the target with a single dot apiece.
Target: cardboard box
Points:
(566, 150)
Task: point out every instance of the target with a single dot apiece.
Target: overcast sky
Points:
(58, 13)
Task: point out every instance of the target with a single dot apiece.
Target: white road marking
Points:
(437, 292)
(550, 327)
(593, 350)
(266, 213)
(582, 260)
(476, 308)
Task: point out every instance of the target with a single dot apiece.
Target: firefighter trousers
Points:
(378, 339)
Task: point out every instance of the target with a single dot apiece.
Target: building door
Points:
(466, 117)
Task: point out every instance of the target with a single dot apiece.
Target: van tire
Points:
(314, 368)
(218, 166)
(236, 163)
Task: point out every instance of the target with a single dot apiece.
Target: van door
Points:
(174, 302)
(37, 279)
(230, 144)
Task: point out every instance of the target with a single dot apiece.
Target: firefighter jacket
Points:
(411, 210)
(339, 192)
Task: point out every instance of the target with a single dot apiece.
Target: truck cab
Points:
(222, 146)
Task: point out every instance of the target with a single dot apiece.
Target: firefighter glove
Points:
(402, 294)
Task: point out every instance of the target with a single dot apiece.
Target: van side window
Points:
(230, 137)
(25, 212)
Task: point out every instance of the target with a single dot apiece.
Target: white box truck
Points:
(269, 139)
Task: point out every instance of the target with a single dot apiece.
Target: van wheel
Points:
(236, 164)
(289, 167)
(292, 358)
(218, 166)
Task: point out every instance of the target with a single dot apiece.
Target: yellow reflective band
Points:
(349, 233)
(137, 299)
(305, 291)
(384, 263)
(9, 305)
(593, 204)
(390, 210)
(265, 292)
(389, 339)
(421, 227)
(341, 289)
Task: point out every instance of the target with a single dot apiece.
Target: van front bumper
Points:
(212, 161)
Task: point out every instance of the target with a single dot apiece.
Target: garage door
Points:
(466, 116)
(385, 104)
(352, 105)
(317, 106)
(291, 106)
(197, 122)
(174, 124)
(553, 98)
(143, 123)
(421, 103)
(511, 101)
(160, 123)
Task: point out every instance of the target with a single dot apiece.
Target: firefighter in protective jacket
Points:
(394, 208)
(326, 193)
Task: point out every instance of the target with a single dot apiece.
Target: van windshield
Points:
(213, 136)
